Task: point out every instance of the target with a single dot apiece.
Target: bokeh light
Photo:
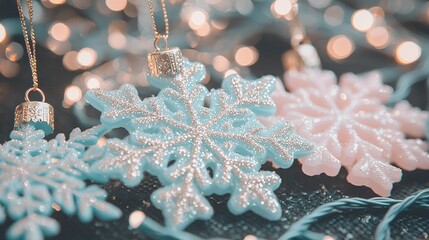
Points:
(407, 52)
(72, 94)
(334, 15)
(93, 82)
(136, 218)
(319, 3)
(204, 30)
(282, 7)
(362, 20)
(116, 5)
(57, 2)
(250, 237)
(101, 142)
(3, 33)
(60, 32)
(70, 61)
(378, 37)
(86, 57)
(220, 63)
(246, 56)
(14, 51)
(117, 40)
(197, 20)
(8, 68)
(229, 72)
(340, 47)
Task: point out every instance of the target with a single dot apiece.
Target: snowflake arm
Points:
(412, 119)
(119, 155)
(251, 95)
(256, 193)
(182, 207)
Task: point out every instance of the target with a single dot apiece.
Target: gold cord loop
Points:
(164, 43)
(34, 89)
(154, 27)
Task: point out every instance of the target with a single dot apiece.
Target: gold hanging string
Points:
(30, 46)
(297, 31)
(159, 36)
(303, 53)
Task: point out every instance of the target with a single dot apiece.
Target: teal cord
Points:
(383, 229)
(157, 231)
(299, 230)
(406, 82)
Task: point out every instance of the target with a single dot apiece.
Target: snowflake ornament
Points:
(38, 176)
(352, 127)
(198, 143)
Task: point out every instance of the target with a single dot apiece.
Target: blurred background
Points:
(84, 44)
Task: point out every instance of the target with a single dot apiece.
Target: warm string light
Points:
(340, 47)
(250, 237)
(229, 72)
(93, 82)
(60, 31)
(220, 63)
(70, 61)
(378, 37)
(8, 68)
(407, 52)
(282, 7)
(203, 22)
(334, 15)
(14, 51)
(116, 5)
(101, 142)
(3, 33)
(246, 56)
(136, 218)
(57, 2)
(362, 20)
(117, 40)
(86, 57)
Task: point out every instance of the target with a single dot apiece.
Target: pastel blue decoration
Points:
(198, 143)
(38, 176)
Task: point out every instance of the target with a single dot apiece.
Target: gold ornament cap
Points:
(165, 61)
(38, 114)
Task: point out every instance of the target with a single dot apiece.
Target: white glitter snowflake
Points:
(39, 176)
(198, 143)
(352, 128)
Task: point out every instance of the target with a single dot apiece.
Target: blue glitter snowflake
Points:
(198, 143)
(38, 176)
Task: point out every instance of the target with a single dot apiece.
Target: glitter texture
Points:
(39, 176)
(352, 127)
(198, 143)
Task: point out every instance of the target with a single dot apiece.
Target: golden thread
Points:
(297, 31)
(31, 47)
(154, 27)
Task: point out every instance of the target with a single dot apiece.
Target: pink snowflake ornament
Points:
(352, 127)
